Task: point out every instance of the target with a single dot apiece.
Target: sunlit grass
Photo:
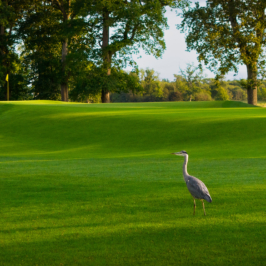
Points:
(85, 184)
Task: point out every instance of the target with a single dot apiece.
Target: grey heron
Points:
(196, 187)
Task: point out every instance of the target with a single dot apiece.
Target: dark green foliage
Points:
(42, 32)
(18, 83)
(96, 80)
(18, 89)
(175, 96)
(41, 50)
(11, 13)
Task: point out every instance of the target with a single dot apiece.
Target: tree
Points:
(123, 27)
(228, 32)
(175, 96)
(72, 27)
(67, 15)
(57, 45)
(11, 13)
(221, 94)
(151, 84)
(170, 93)
(40, 33)
(89, 85)
(192, 76)
(262, 93)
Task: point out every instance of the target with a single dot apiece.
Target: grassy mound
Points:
(95, 184)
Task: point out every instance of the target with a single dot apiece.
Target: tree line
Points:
(189, 84)
(77, 49)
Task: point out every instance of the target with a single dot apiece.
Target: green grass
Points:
(85, 184)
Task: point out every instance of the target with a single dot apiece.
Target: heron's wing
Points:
(198, 189)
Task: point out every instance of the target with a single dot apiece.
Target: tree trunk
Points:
(105, 96)
(2, 47)
(4, 52)
(64, 92)
(106, 55)
(64, 83)
(252, 84)
(2, 30)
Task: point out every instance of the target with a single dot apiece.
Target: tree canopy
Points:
(61, 44)
(227, 33)
(123, 27)
(77, 49)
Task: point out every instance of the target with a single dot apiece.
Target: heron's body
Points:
(196, 187)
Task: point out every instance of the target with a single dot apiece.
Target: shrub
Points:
(202, 96)
(222, 94)
(175, 96)
(262, 93)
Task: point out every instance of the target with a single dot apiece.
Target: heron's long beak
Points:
(176, 153)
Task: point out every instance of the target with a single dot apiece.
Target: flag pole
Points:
(7, 92)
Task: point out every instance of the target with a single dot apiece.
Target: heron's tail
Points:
(208, 198)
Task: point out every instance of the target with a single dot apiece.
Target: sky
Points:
(175, 56)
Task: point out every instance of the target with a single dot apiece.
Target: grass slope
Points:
(95, 184)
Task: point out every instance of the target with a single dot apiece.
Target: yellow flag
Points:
(7, 77)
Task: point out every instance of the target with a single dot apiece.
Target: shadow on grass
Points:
(234, 244)
(33, 132)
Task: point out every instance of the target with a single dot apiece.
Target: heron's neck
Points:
(185, 166)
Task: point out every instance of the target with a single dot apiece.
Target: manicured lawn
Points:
(84, 184)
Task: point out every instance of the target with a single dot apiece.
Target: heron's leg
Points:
(194, 206)
(203, 207)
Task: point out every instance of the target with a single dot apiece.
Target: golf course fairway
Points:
(96, 184)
